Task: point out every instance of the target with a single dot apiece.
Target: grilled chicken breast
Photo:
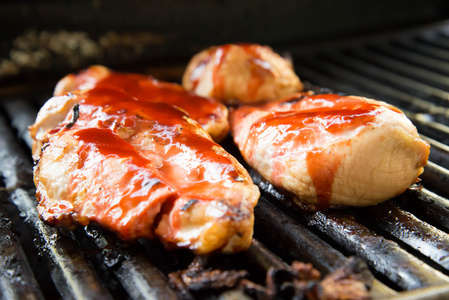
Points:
(331, 150)
(245, 73)
(208, 112)
(141, 169)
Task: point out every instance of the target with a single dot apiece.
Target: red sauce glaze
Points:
(257, 66)
(322, 167)
(107, 143)
(299, 125)
(181, 154)
(198, 72)
(146, 88)
(132, 196)
(156, 141)
(303, 101)
(219, 80)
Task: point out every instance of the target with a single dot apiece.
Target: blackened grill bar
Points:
(16, 276)
(426, 203)
(71, 273)
(383, 255)
(437, 177)
(403, 241)
(408, 229)
(136, 272)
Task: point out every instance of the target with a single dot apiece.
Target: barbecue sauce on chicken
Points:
(144, 169)
(145, 88)
(208, 112)
(297, 125)
(259, 69)
(173, 137)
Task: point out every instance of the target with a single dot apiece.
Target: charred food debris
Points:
(297, 281)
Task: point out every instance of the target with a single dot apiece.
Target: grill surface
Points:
(404, 241)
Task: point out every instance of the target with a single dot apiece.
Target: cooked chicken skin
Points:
(331, 150)
(142, 170)
(209, 113)
(243, 73)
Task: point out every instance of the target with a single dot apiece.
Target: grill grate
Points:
(404, 241)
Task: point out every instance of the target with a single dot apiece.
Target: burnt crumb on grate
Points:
(198, 279)
(352, 281)
(298, 281)
(303, 281)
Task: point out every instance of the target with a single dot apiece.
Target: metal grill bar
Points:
(17, 280)
(436, 176)
(434, 39)
(433, 207)
(259, 255)
(394, 95)
(383, 255)
(295, 239)
(302, 245)
(70, 271)
(394, 72)
(410, 230)
(423, 48)
(21, 114)
(404, 71)
(142, 280)
(410, 56)
(439, 152)
(137, 274)
(431, 129)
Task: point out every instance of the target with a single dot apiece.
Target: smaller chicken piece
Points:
(330, 149)
(241, 73)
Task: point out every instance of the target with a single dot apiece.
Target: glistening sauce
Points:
(162, 132)
(163, 155)
(298, 128)
(146, 88)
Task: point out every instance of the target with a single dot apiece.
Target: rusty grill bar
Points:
(404, 241)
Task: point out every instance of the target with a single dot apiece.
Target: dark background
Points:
(45, 39)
